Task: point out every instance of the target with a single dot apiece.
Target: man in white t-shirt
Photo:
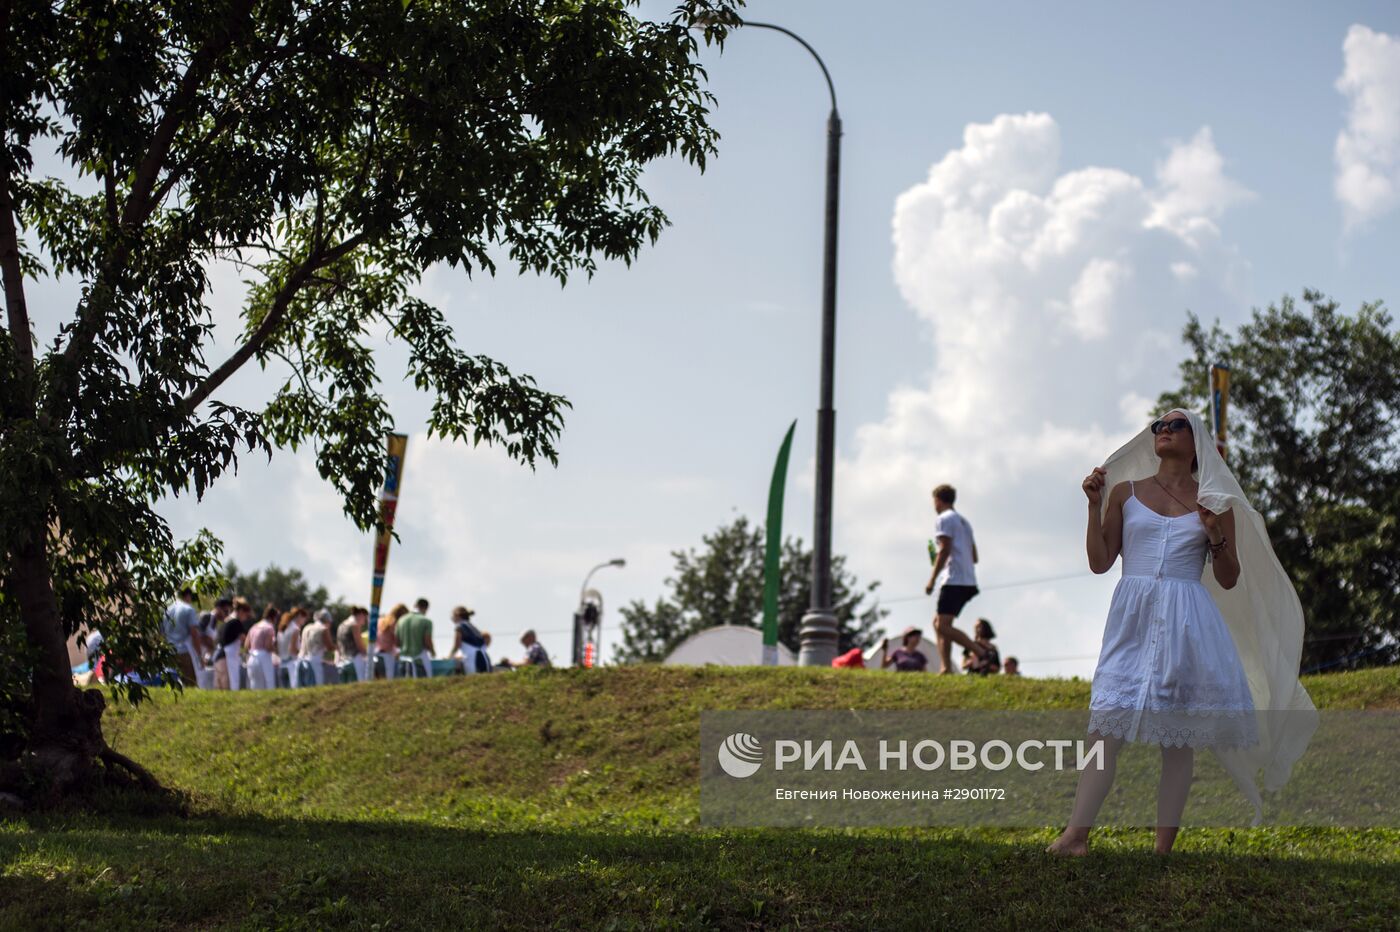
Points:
(181, 629)
(954, 576)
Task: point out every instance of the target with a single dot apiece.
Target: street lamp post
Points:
(819, 625)
(578, 615)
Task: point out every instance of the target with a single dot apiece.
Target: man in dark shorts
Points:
(954, 576)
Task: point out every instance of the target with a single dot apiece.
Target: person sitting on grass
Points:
(535, 654)
(907, 658)
(1012, 667)
(988, 663)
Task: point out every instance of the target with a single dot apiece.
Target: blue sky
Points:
(1133, 161)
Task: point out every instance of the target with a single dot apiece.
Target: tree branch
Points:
(109, 185)
(273, 320)
(139, 202)
(17, 312)
(222, 124)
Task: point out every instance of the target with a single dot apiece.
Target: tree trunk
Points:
(65, 738)
(65, 728)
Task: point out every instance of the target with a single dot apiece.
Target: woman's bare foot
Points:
(1069, 845)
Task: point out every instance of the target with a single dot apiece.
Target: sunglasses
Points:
(1175, 425)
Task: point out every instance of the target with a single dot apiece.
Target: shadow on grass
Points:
(80, 871)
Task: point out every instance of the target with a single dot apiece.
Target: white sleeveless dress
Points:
(1168, 672)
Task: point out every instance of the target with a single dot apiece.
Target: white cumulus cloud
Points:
(1056, 299)
(1367, 152)
(1193, 190)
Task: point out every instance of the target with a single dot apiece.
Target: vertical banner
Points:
(1219, 401)
(773, 556)
(388, 505)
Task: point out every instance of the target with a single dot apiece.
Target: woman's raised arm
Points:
(1103, 539)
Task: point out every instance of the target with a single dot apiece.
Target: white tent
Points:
(726, 645)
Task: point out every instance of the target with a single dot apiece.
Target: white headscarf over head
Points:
(1262, 611)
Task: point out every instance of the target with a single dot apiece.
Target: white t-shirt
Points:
(958, 571)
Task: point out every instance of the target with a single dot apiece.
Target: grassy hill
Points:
(569, 798)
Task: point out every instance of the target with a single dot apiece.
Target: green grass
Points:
(569, 799)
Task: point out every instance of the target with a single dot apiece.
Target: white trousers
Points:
(361, 663)
(235, 664)
(391, 662)
(425, 658)
(262, 670)
(203, 677)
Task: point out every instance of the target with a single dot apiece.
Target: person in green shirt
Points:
(415, 634)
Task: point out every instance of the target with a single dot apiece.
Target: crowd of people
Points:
(952, 583)
(224, 648)
(913, 655)
(909, 658)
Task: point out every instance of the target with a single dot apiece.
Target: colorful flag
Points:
(1219, 400)
(388, 505)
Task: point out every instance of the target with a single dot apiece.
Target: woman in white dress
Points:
(1169, 672)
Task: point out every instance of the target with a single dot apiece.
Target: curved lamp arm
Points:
(831, 88)
(584, 588)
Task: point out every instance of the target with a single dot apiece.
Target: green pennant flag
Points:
(772, 560)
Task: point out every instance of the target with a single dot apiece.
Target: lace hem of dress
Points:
(1227, 728)
(1207, 698)
(1130, 701)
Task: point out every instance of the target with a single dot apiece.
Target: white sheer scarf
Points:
(1262, 611)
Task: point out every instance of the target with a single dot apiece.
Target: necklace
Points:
(1188, 508)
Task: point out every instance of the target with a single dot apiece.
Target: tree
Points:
(282, 588)
(331, 151)
(1314, 413)
(723, 585)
